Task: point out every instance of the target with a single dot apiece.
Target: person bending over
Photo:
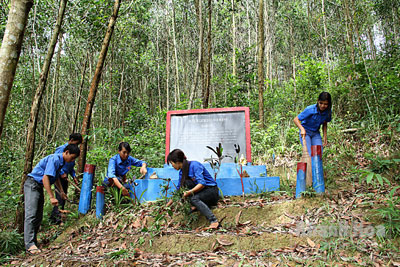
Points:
(119, 165)
(45, 173)
(310, 120)
(74, 139)
(202, 189)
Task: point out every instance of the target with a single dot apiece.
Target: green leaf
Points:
(369, 177)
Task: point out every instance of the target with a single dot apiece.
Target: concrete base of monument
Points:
(228, 181)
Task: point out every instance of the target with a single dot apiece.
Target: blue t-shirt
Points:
(311, 119)
(118, 168)
(50, 166)
(199, 175)
(68, 166)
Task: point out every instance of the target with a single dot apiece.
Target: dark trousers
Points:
(204, 199)
(34, 201)
(55, 216)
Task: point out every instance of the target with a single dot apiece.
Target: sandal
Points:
(33, 251)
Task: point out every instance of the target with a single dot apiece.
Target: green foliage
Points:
(309, 193)
(118, 198)
(114, 255)
(390, 213)
(11, 243)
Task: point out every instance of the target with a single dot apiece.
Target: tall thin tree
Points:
(206, 96)
(261, 62)
(33, 119)
(11, 49)
(95, 83)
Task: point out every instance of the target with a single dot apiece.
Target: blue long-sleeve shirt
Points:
(69, 166)
(118, 168)
(311, 119)
(50, 166)
(198, 174)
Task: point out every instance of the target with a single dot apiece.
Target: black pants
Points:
(204, 199)
(55, 216)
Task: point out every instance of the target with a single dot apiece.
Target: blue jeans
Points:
(203, 199)
(312, 139)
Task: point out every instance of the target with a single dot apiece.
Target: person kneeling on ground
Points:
(45, 173)
(203, 190)
(118, 167)
(74, 139)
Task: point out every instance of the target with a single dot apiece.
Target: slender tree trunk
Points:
(293, 55)
(261, 62)
(233, 39)
(80, 94)
(248, 45)
(207, 91)
(56, 85)
(326, 40)
(349, 30)
(200, 51)
(121, 87)
(158, 64)
(167, 84)
(11, 49)
(177, 92)
(371, 43)
(95, 83)
(30, 139)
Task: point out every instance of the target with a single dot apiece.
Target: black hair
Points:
(175, 156)
(124, 145)
(325, 96)
(76, 137)
(73, 149)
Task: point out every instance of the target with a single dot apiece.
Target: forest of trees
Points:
(272, 56)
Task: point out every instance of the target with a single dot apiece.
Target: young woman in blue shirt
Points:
(120, 164)
(310, 120)
(202, 190)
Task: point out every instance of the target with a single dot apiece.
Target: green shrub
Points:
(11, 243)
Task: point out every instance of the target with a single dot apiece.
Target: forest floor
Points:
(340, 228)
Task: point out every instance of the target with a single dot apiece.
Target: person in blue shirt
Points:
(74, 139)
(202, 189)
(45, 173)
(119, 165)
(310, 120)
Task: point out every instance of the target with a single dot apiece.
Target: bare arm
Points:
(60, 189)
(298, 124)
(47, 186)
(194, 190)
(143, 169)
(120, 186)
(325, 131)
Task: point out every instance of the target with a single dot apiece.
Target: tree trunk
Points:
(261, 62)
(177, 92)
(207, 91)
(200, 51)
(94, 85)
(80, 94)
(349, 30)
(167, 71)
(293, 55)
(326, 40)
(30, 139)
(233, 39)
(11, 49)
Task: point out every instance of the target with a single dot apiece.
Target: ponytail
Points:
(175, 156)
(185, 171)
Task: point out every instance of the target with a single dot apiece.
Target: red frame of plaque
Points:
(211, 110)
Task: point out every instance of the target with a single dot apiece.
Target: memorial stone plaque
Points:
(193, 130)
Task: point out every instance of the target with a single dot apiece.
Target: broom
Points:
(305, 157)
